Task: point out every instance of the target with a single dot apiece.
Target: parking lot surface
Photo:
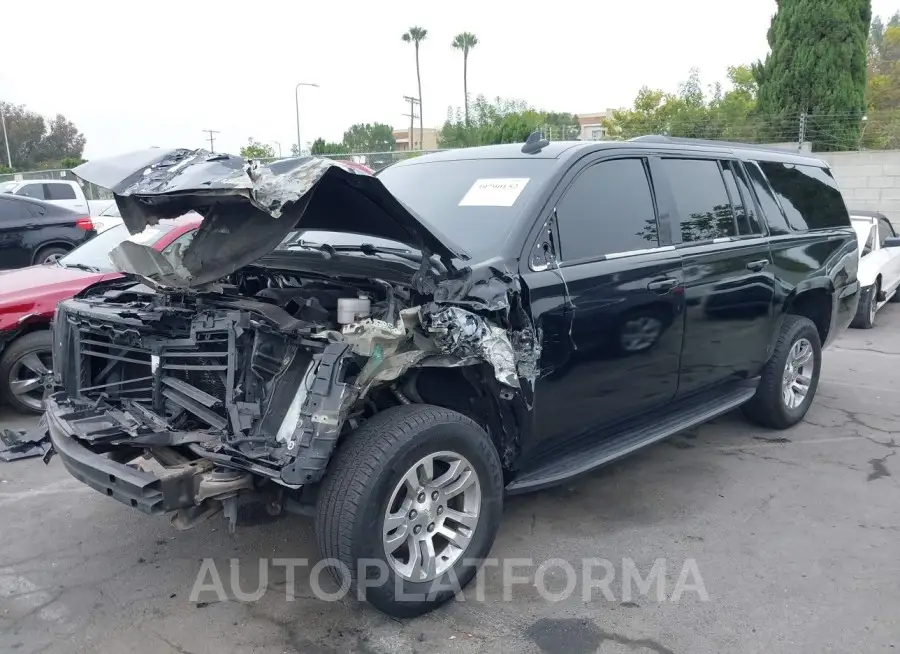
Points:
(795, 535)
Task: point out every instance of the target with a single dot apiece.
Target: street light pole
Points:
(5, 136)
(297, 110)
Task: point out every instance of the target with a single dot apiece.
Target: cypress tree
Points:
(817, 66)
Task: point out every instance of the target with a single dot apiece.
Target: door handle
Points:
(662, 285)
(758, 265)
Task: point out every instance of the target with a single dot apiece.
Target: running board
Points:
(618, 441)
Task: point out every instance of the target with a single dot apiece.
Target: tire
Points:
(768, 406)
(33, 343)
(865, 312)
(48, 255)
(367, 470)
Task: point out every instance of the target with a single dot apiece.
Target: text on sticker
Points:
(494, 192)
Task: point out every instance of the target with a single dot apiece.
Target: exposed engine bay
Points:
(231, 381)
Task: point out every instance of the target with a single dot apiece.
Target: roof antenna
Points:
(535, 143)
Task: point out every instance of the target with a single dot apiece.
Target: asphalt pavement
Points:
(764, 541)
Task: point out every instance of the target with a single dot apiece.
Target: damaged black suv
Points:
(394, 353)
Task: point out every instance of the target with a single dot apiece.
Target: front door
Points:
(609, 305)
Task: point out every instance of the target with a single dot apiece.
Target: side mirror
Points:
(891, 242)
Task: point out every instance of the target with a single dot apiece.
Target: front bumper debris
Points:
(125, 482)
(23, 444)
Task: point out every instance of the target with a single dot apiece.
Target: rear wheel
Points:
(24, 367)
(411, 505)
(50, 255)
(790, 378)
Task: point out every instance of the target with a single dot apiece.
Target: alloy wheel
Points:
(27, 376)
(431, 516)
(798, 373)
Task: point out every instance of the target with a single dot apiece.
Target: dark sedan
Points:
(33, 232)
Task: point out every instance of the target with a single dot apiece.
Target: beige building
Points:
(429, 139)
(592, 128)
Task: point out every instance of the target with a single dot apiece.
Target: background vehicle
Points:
(61, 192)
(879, 265)
(108, 217)
(28, 298)
(546, 309)
(32, 231)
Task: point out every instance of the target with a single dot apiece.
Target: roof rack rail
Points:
(662, 138)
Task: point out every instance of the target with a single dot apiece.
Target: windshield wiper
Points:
(79, 266)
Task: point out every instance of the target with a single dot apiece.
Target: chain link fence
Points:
(815, 132)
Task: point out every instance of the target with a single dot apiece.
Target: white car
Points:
(107, 218)
(879, 264)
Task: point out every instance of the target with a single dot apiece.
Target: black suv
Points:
(395, 353)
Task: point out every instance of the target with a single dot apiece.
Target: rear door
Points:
(728, 277)
(611, 310)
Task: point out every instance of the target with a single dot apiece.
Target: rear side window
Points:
(700, 196)
(808, 194)
(607, 209)
(14, 210)
(35, 191)
(59, 192)
(768, 205)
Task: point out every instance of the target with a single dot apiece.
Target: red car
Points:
(28, 298)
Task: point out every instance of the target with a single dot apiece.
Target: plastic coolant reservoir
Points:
(351, 309)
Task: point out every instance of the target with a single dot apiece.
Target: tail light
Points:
(84, 223)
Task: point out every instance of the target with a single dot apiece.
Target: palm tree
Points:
(416, 35)
(465, 42)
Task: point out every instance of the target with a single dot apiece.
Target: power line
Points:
(212, 139)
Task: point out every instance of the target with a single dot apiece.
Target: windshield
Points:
(111, 211)
(475, 203)
(862, 227)
(7, 187)
(95, 253)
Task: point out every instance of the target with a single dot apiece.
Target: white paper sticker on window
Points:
(496, 192)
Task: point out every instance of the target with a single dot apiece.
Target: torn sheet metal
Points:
(464, 334)
(248, 208)
(22, 444)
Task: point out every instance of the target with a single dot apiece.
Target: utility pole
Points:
(413, 103)
(212, 139)
(5, 136)
(297, 111)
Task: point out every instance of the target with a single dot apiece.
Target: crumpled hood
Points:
(248, 208)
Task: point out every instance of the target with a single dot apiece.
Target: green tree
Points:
(693, 113)
(366, 137)
(817, 65)
(35, 142)
(500, 121)
(321, 146)
(464, 42)
(416, 35)
(256, 150)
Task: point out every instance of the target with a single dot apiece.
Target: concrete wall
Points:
(868, 180)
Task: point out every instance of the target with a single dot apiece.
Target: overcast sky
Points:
(137, 74)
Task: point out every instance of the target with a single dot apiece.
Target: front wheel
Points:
(790, 378)
(868, 304)
(24, 370)
(410, 508)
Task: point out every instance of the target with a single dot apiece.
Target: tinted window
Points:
(749, 208)
(35, 191)
(607, 209)
(13, 210)
(59, 192)
(701, 199)
(435, 190)
(737, 202)
(180, 244)
(771, 211)
(885, 230)
(809, 196)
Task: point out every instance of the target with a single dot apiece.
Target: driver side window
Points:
(179, 244)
